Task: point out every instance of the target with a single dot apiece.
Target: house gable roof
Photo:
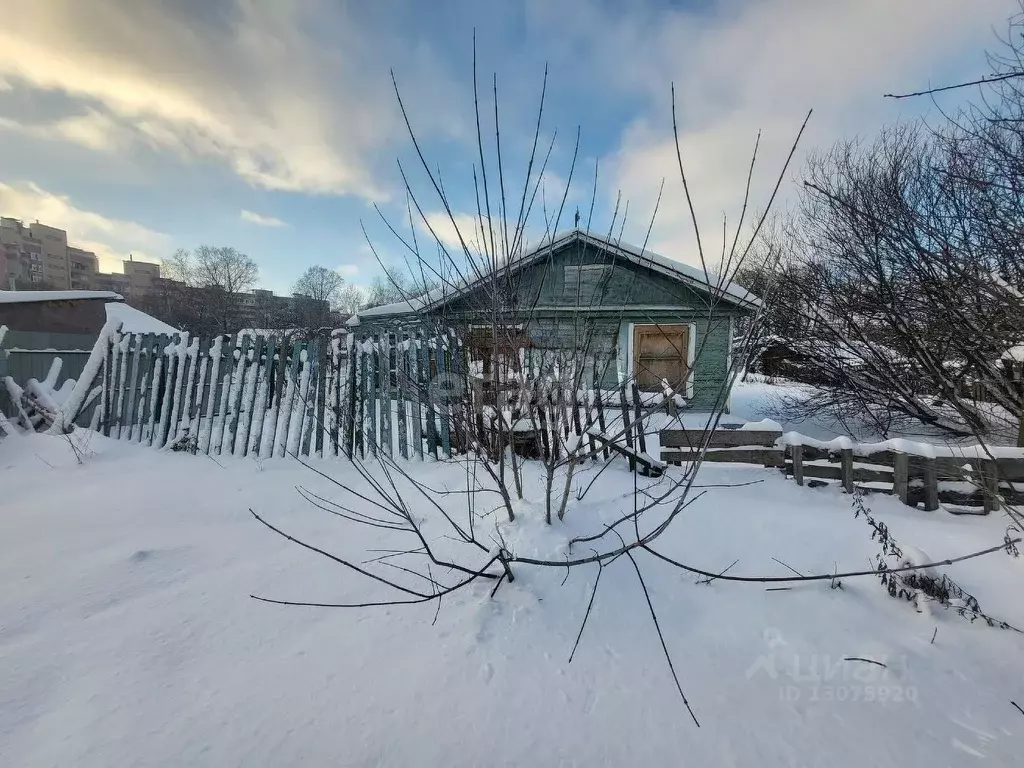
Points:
(684, 273)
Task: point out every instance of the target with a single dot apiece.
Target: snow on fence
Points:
(406, 396)
(917, 473)
(245, 395)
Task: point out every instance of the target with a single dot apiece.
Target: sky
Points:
(143, 126)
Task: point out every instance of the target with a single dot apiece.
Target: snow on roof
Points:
(1015, 353)
(404, 307)
(265, 332)
(675, 269)
(24, 297)
(136, 321)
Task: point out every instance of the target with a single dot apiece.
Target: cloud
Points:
(254, 84)
(448, 232)
(263, 221)
(112, 240)
(740, 66)
(92, 130)
(348, 271)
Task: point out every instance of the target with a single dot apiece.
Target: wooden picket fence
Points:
(332, 395)
(248, 395)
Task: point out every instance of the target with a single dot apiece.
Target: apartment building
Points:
(38, 256)
(83, 267)
(111, 281)
(143, 276)
(22, 255)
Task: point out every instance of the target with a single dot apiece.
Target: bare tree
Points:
(223, 268)
(213, 279)
(909, 262)
(320, 284)
(351, 299)
(395, 284)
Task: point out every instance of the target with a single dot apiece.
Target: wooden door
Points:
(660, 352)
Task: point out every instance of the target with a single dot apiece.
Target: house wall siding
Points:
(71, 316)
(627, 293)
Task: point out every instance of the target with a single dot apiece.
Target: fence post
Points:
(264, 393)
(627, 428)
(167, 402)
(445, 406)
(280, 386)
(385, 391)
(122, 380)
(542, 422)
(901, 477)
(990, 484)
(339, 431)
(238, 394)
(412, 366)
(108, 364)
(599, 402)
(181, 356)
(216, 353)
(201, 361)
(401, 374)
(250, 394)
(320, 406)
(425, 349)
(351, 366)
(145, 344)
(798, 463)
(157, 389)
(219, 422)
(639, 420)
(931, 485)
(372, 396)
(846, 463)
(360, 419)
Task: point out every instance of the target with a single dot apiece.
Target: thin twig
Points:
(709, 579)
(980, 81)
(867, 661)
(848, 575)
(661, 637)
(784, 565)
(590, 605)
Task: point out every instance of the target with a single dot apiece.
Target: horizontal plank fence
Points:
(740, 446)
(915, 480)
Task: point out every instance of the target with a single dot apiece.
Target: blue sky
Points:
(143, 126)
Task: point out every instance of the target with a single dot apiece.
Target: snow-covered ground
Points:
(128, 637)
(756, 399)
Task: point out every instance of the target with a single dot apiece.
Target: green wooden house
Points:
(651, 318)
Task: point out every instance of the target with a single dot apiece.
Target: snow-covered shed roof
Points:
(25, 297)
(136, 321)
(685, 273)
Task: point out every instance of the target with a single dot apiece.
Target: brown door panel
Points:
(660, 352)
